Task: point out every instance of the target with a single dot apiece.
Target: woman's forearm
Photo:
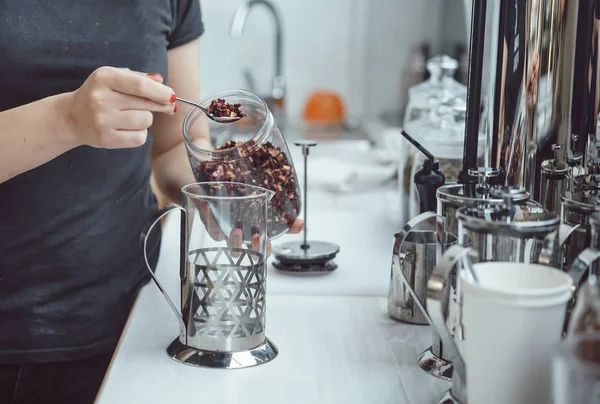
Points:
(33, 134)
(112, 109)
(172, 170)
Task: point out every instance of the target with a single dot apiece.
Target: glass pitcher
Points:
(223, 236)
(251, 151)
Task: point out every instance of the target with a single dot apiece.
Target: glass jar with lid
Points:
(424, 98)
(251, 151)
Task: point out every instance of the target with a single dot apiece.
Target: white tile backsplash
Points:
(357, 48)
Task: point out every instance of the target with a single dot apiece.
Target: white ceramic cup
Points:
(512, 321)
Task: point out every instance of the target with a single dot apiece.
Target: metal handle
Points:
(152, 221)
(580, 266)
(193, 104)
(437, 345)
(398, 256)
(416, 221)
(583, 264)
(552, 244)
(398, 261)
(436, 290)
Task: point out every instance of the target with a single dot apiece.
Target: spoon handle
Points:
(191, 103)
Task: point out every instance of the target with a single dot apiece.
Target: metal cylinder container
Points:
(544, 85)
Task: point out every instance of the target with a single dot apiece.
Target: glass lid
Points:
(526, 218)
(460, 194)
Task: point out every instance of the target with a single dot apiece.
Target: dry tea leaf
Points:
(221, 108)
(262, 165)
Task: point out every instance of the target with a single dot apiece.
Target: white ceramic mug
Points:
(512, 322)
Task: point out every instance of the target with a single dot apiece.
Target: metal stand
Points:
(434, 365)
(263, 353)
(448, 398)
(306, 257)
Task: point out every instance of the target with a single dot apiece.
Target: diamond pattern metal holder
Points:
(223, 311)
(228, 310)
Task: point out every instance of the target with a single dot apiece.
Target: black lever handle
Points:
(418, 146)
(428, 179)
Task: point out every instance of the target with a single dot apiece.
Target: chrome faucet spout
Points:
(237, 28)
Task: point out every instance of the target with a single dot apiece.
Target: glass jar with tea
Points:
(251, 150)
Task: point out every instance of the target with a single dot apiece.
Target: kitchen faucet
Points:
(276, 99)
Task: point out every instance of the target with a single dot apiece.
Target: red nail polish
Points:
(155, 75)
(174, 108)
(173, 98)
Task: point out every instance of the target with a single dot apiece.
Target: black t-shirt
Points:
(70, 257)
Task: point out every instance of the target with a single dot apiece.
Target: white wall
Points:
(395, 27)
(357, 48)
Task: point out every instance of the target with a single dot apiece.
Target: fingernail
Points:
(173, 98)
(174, 108)
(155, 75)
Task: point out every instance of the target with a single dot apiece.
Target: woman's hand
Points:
(235, 238)
(113, 108)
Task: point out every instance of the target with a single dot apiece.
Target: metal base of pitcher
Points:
(435, 365)
(263, 353)
(448, 398)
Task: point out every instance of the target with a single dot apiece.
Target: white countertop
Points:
(333, 349)
(336, 342)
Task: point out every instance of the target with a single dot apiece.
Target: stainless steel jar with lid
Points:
(507, 232)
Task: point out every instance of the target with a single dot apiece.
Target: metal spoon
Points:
(219, 119)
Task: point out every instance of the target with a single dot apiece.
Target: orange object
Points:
(324, 107)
